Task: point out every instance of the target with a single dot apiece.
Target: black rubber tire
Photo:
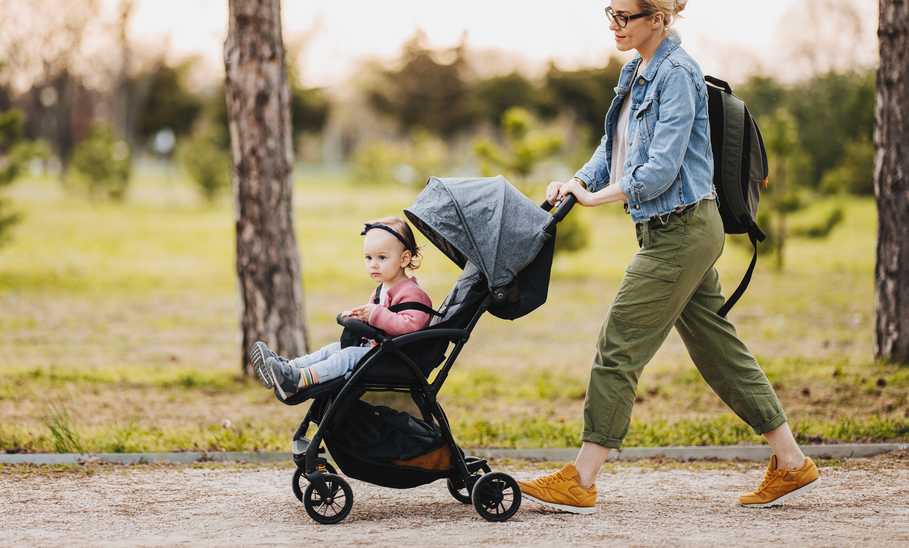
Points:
(328, 511)
(299, 478)
(496, 496)
(458, 490)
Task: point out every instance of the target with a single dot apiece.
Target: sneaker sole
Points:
(785, 498)
(561, 507)
(257, 357)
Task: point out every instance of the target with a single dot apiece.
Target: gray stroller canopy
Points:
(484, 221)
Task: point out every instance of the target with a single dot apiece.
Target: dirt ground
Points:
(859, 502)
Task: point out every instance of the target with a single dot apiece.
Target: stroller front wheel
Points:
(299, 478)
(496, 496)
(328, 499)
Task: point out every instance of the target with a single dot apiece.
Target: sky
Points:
(730, 38)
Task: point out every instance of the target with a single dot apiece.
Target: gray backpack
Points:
(739, 170)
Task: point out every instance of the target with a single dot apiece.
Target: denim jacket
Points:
(669, 162)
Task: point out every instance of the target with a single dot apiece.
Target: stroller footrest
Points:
(301, 445)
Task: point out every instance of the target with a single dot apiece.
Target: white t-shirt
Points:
(620, 139)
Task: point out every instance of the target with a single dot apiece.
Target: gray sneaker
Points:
(284, 377)
(258, 353)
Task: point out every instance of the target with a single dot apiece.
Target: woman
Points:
(656, 159)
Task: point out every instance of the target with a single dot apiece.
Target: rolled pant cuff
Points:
(601, 440)
(772, 424)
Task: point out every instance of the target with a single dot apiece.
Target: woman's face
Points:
(638, 31)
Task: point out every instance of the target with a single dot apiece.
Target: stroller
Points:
(504, 245)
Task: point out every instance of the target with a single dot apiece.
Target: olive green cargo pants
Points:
(672, 282)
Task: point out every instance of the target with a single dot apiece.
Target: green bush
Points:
(101, 164)
(855, 174)
(15, 153)
(207, 165)
(409, 162)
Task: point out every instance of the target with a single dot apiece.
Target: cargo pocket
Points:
(645, 293)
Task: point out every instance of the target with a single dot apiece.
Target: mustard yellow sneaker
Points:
(780, 486)
(562, 491)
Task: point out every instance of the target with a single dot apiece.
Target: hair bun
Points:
(680, 5)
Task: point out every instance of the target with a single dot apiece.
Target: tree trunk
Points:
(891, 184)
(268, 262)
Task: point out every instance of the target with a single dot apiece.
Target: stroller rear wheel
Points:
(496, 496)
(328, 499)
(299, 478)
(457, 487)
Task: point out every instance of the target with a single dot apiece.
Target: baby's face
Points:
(384, 256)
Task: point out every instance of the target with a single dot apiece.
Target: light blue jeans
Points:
(331, 361)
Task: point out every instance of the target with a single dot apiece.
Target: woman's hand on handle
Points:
(552, 191)
(581, 194)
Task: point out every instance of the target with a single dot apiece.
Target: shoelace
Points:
(769, 477)
(551, 479)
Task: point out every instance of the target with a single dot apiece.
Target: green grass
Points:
(119, 329)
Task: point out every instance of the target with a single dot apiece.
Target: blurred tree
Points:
(15, 153)
(525, 147)
(831, 111)
(41, 41)
(493, 96)
(409, 162)
(789, 166)
(762, 94)
(855, 173)
(123, 103)
(206, 163)
(168, 104)
(585, 93)
(823, 36)
(426, 93)
(101, 164)
(258, 107)
(891, 185)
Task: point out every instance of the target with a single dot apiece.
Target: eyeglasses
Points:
(621, 19)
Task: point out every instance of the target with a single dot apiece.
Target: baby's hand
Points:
(362, 312)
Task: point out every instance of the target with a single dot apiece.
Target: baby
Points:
(389, 250)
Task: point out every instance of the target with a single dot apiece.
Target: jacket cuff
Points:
(632, 189)
(584, 180)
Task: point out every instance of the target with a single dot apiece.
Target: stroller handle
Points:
(563, 209)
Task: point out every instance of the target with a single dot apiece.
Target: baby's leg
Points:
(336, 365)
(319, 355)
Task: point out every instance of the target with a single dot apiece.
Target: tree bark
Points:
(258, 105)
(891, 184)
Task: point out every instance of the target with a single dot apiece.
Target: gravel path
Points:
(860, 502)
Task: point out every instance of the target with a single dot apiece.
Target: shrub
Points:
(101, 164)
(207, 165)
(15, 153)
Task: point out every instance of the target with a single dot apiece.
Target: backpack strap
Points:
(755, 235)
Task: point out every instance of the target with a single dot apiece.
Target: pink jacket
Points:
(405, 321)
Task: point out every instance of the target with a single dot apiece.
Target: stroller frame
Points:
(487, 492)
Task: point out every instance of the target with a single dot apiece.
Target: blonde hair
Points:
(401, 227)
(669, 8)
